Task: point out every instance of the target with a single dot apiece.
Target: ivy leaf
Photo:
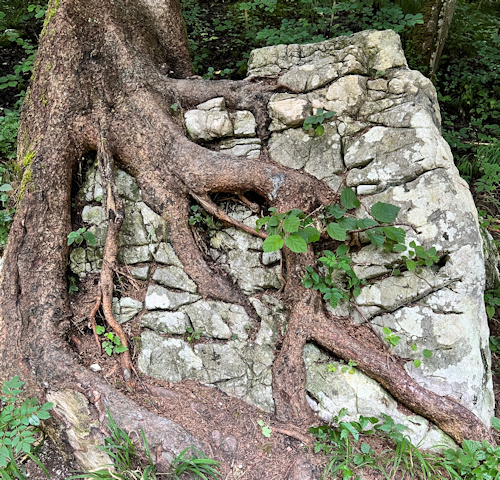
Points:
(336, 231)
(272, 243)
(291, 224)
(384, 212)
(296, 243)
(348, 199)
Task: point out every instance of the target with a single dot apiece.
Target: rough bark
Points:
(428, 39)
(111, 69)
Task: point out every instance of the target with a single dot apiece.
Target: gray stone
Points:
(156, 227)
(174, 323)
(127, 186)
(132, 255)
(318, 155)
(245, 147)
(160, 298)
(288, 110)
(205, 318)
(174, 277)
(244, 123)
(169, 359)
(95, 367)
(140, 273)
(216, 104)
(125, 309)
(94, 215)
(333, 385)
(165, 254)
(206, 125)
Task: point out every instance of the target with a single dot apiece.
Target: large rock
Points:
(384, 142)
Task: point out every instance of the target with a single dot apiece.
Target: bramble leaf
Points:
(296, 243)
(384, 212)
(272, 243)
(348, 199)
(336, 231)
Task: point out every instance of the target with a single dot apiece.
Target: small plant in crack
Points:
(314, 122)
(80, 235)
(193, 335)
(266, 429)
(200, 217)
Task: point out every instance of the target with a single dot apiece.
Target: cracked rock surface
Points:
(385, 143)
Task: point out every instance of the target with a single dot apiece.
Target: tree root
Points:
(113, 206)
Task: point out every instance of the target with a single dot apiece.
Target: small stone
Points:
(166, 255)
(173, 323)
(218, 104)
(160, 298)
(230, 444)
(245, 147)
(140, 273)
(244, 123)
(125, 309)
(95, 367)
(174, 277)
(137, 254)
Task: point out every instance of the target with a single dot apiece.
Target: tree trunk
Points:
(106, 75)
(428, 39)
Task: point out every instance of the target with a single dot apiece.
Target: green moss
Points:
(51, 11)
(27, 178)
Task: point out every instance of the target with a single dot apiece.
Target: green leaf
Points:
(366, 223)
(291, 224)
(90, 238)
(396, 234)
(309, 234)
(411, 265)
(261, 222)
(387, 331)
(5, 187)
(348, 199)
(495, 423)
(399, 247)
(336, 231)
(336, 211)
(375, 237)
(417, 363)
(320, 130)
(120, 348)
(296, 243)
(349, 223)
(272, 243)
(427, 353)
(342, 250)
(384, 212)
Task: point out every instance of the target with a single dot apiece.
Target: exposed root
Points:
(113, 206)
(92, 319)
(214, 210)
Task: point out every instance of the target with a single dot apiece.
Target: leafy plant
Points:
(266, 430)
(112, 344)
(19, 422)
(80, 235)
(315, 121)
(200, 217)
(390, 337)
(72, 287)
(341, 445)
(193, 335)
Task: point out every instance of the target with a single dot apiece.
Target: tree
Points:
(106, 75)
(428, 39)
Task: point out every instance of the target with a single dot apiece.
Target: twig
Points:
(92, 320)
(214, 210)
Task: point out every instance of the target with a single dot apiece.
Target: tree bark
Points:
(428, 39)
(110, 69)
